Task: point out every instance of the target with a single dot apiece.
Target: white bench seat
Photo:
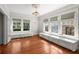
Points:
(69, 43)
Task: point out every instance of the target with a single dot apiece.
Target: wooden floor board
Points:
(33, 45)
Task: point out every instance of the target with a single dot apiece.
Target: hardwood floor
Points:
(33, 45)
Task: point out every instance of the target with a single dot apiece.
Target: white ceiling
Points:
(28, 9)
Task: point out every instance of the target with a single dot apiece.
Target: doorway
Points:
(1, 27)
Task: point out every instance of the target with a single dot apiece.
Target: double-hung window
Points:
(26, 25)
(54, 24)
(68, 24)
(16, 24)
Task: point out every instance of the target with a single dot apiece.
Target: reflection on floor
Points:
(33, 45)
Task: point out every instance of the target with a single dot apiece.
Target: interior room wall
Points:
(33, 24)
(8, 15)
(53, 13)
(1, 28)
(5, 11)
(36, 22)
(57, 12)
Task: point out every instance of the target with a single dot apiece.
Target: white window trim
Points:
(21, 25)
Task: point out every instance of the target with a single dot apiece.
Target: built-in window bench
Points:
(69, 43)
(20, 35)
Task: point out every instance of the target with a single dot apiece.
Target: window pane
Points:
(45, 21)
(67, 16)
(68, 30)
(54, 28)
(68, 24)
(46, 28)
(26, 25)
(16, 25)
(53, 19)
(54, 24)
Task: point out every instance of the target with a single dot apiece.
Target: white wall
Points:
(33, 24)
(59, 12)
(4, 8)
(5, 11)
(8, 20)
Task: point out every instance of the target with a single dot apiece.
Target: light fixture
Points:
(35, 13)
(35, 6)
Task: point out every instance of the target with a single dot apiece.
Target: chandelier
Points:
(35, 6)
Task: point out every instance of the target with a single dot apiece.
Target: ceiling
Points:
(28, 9)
